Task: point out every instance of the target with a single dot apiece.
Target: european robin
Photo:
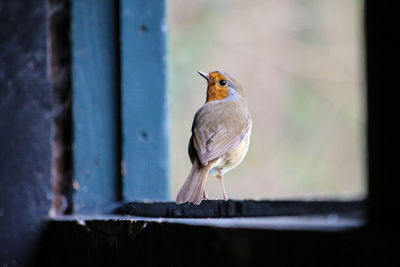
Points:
(220, 136)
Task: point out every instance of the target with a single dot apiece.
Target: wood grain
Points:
(144, 100)
(95, 110)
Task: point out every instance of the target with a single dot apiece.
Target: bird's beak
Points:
(205, 75)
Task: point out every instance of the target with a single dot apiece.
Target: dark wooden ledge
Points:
(241, 208)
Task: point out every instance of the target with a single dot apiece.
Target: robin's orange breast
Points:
(217, 93)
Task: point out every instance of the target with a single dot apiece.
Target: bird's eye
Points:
(222, 82)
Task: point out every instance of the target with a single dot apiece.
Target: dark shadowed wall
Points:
(25, 139)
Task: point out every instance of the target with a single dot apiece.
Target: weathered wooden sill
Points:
(328, 215)
(242, 208)
(331, 222)
(309, 231)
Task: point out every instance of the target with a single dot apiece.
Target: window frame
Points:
(119, 102)
(375, 71)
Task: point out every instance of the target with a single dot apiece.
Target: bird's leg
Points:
(221, 179)
(205, 197)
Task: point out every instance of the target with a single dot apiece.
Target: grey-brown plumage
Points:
(220, 136)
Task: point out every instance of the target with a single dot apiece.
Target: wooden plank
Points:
(144, 100)
(243, 208)
(95, 96)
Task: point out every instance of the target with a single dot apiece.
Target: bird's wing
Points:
(217, 128)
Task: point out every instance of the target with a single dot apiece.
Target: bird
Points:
(220, 138)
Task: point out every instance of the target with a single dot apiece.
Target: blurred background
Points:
(302, 65)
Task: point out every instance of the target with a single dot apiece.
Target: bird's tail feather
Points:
(194, 187)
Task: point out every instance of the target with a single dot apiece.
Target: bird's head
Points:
(222, 86)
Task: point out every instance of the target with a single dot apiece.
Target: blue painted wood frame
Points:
(95, 92)
(144, 100)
